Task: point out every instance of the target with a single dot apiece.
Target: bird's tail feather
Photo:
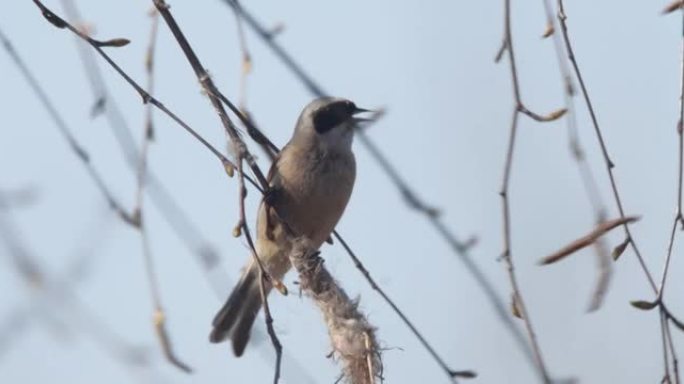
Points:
(235, 319)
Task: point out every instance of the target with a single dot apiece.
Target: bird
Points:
(309, 185)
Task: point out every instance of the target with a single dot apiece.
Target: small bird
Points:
(310, 183)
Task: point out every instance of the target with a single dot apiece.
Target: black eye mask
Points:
(333, 115)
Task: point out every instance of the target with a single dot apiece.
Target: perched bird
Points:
(310, 183)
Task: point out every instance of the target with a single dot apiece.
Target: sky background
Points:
(430, 64)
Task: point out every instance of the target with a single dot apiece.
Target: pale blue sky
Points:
(431, 65)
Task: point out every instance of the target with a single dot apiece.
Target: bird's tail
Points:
(236, 317)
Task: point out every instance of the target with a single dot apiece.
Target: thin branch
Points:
(675, 360)
(666, 316)
(246, 67)
(678, 219)
(518, 109)
(599, 135)
(264, 277)
(666, 359)
(146, 97)
(442, 364)
(673, 6)
(159, 317)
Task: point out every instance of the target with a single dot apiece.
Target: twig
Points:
(586, 240)
(453, 374)
(159, 317)
(146, 97)
(673, 6)
(675, 360)
(645, 305)
(599, 135)
(264, 277)
(246, 67)
(678, 219)
(460, 248)
(518, 109)
(351, 335)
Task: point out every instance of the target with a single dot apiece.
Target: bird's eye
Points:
(332, 115)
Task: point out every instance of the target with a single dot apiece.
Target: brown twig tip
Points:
(237, 230)
(351, 335)
(463, 374)
(548, 31)
(644, 305)
(117, 42)
(159, 320)
(673, 6)
(515, 307)
(588, 239)
(619, 249)
(230, 169)
(500, 52)
(555, 115)
(247, 64)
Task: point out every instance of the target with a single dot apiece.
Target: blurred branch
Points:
(578, 154)
(159, 315)
(246, 67)
(54, 298)
(170, 210)
(132, 219)
(67, 135)
(17, 198)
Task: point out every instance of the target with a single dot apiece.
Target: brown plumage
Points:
(311, 181)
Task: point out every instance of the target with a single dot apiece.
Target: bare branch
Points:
(518, 108)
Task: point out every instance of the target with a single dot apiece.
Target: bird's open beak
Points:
(358, 119)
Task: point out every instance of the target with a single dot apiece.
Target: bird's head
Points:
(330, 121)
